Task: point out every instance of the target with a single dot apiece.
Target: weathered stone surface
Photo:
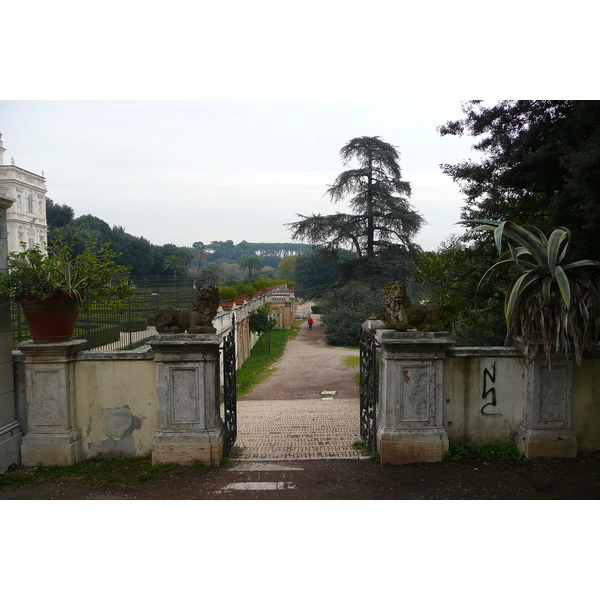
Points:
(190, 428)
(52, 435)
(546, 428)
(411, 382)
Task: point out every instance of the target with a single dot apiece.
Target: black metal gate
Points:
(369, 388)
(229, 388)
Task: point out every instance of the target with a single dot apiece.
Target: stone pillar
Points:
(546, 428)
(52, 436)
(411, 386)
(10, 431)
(190, 428)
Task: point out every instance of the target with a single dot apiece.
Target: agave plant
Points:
(549, 302)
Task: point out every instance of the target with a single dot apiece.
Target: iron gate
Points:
(369, 388)
(229, 388)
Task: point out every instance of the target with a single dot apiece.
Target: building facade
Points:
(26, 218)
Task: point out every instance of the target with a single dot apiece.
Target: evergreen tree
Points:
(381, 218)
(540, 166)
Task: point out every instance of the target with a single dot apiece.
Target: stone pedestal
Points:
(52, 436)
(411, 386)
(546, 428)
(190, 428)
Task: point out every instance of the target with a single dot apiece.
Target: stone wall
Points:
(10, 432)
(483, 399)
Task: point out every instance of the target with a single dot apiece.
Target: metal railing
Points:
(108, 329)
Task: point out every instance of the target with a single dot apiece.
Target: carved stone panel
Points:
(184, 396)
(48, 405)
(416, 392)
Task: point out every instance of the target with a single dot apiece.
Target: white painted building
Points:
(26, 218)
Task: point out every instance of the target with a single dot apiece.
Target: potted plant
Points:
(53, 286)
(547, 303)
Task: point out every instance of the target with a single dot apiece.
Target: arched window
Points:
(30, 203)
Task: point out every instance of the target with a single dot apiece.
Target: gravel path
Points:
(308, 367)
(307, 409)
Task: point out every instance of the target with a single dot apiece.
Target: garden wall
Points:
(484, 390)
(484, 396)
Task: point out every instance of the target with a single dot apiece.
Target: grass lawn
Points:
(256, 367)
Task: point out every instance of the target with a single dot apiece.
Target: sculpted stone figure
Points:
(172, 320)
(204, 309)
(196, 320)
(403, 315)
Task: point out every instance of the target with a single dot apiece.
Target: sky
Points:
(202, 170)
(228, 123)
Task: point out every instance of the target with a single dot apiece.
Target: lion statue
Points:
(204, 309)
(172, 320)
(196, 320)
(403, 315)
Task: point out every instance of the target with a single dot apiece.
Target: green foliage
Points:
(540, 164)
(228, 293)
(261, 284)
(287, 268)
(256, 367)
(244, 289)
(90, 276)
(251, 263)
(99, 472)
(315, 272)
(345, 309)
(547, 299)
(457, 451)
(451, 278)
(484, 452)
(260, 320)
(381, 218)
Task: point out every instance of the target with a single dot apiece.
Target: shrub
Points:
(228, 293)
(345, 309)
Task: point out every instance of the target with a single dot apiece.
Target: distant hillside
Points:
(229, 251)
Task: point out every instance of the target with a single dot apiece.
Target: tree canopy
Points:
(540, 166)
(381, 218)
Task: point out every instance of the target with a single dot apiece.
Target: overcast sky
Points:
(225, 121)
(186, 171)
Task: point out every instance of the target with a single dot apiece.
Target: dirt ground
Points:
(467, 479)
(342, 479)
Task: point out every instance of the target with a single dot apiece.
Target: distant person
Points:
(310, 322)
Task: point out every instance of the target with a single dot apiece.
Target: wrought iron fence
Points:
(127, 327)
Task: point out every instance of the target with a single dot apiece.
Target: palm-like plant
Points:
(547, 300)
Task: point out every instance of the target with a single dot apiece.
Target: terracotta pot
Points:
(51, 320)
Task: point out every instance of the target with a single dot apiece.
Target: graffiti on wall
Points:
(489, 377)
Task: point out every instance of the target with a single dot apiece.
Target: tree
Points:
(251, 263)
(381, 216)
(174, 262)
(287, 268)
(540, 166)
(210, 273)
(344, 309)
(58, 215)
(450, 277)
(201, 253)
(260, 321)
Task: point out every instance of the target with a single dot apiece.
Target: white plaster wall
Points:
(116, 405)
(586, 404)
(464, 398)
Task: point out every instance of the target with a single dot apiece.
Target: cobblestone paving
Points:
(297, 429)
(307, 409)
